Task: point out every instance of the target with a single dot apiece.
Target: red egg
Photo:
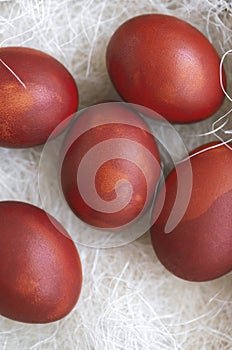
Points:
(110, 166)
(199, 247)
(40, 269)
(167, 65)
(37, 93)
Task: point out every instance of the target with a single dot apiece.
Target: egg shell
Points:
(164, 63)
(37, 93)
(115, 134)
(199, 248)
(40, 268)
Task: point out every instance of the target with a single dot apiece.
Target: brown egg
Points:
(199, 246)
(37, 93)
(167, 65)
(110, 166)
(40, 269)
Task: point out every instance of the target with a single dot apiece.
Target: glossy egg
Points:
(40, 269)
(199, 247)
(37, 93)
(165, 64)
(110, 166)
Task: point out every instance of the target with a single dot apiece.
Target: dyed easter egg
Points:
(40, 269)
(164, 63)
(110, 166)
(37, 93)
(199, 246)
